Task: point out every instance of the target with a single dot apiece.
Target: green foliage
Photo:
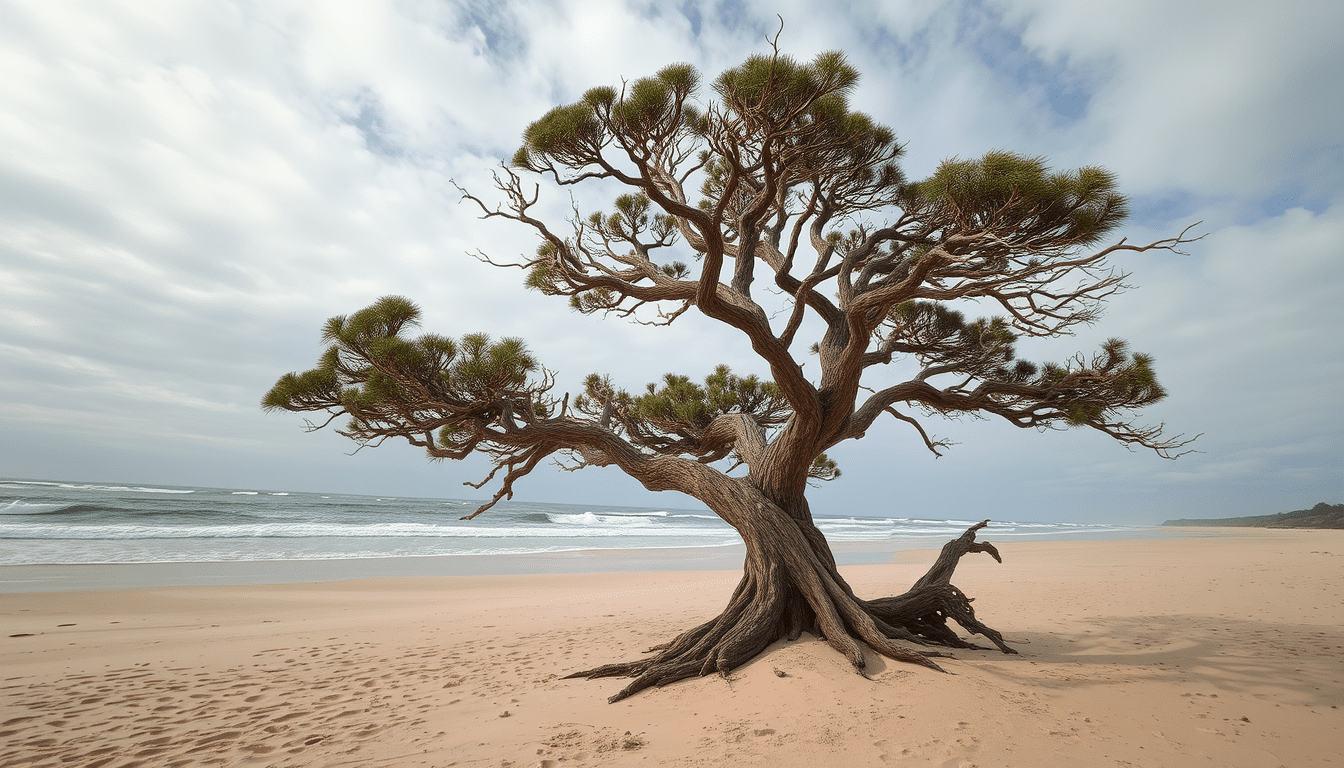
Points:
(385, 317)
(799, 114)
(370, 368)
(682, 403)
(600, 97)
(1080, 413)
(678, 400)
(683, 79)
(595, 300)
(646, 103)
(778, 85)
(295, 391)
(940, 336)
(676, 269)
(632, 215)
(487, 367)
(1081, 392)
(1089, 392)
(541, 277)
(1078, 206)
(599, 393)
(570, 134)
(823, 468)
(631, 222)
(678, 410)
(649, 108)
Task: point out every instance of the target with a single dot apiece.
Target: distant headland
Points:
(1320, 516)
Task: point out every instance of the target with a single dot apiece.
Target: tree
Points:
(799, 189)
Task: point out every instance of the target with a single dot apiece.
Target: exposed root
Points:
(792, 591)
(926, 607)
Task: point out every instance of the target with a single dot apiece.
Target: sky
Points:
(190, 187)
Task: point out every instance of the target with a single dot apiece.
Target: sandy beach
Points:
(1220, 648)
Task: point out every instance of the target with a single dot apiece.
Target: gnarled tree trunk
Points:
(790, 585)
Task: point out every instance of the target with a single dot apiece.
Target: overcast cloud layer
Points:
(187, 189)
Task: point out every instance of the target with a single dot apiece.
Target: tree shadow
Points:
(1304, 661)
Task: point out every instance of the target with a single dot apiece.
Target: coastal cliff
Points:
(1320, 516)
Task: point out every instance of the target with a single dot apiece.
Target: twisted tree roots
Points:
(791, 585)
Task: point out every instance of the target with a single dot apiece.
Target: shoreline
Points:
(19, 579)
(1223, 650)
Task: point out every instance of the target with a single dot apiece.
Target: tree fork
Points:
(786, 590)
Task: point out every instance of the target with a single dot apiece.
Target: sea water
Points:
(50, 522)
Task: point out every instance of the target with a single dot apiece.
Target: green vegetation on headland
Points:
(1320, 516)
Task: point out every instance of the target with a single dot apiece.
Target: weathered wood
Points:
(925, 608)
(788, 585)
(941, 570)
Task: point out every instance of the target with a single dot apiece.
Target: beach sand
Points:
(1220, 648)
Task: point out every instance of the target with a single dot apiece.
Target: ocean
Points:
(66, 523)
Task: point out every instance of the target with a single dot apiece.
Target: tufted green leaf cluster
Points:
(682, 407)
(648, 109)
(939, 336)
(569, 134)
(598, 394)
(1079, 392)
(1087, 392)
(814, 135)
(371, 367)
(633, 216)
(595, 300)
(680, 401)
(651, 101)
(1079, 206)
(780, 85)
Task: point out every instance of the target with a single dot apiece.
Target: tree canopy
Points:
(766, 172)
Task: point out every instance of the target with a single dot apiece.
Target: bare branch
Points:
(932, 445)
(529, 461)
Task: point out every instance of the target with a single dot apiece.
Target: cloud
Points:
(1233, 100)
(191, 187)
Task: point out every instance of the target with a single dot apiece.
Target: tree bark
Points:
(791, 585)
